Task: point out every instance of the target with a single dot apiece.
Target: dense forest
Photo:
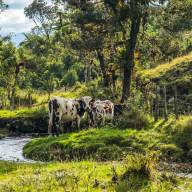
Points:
(135, 53)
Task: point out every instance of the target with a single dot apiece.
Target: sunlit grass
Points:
(23, 112)
(104, 144)
(163, 68)
(135, 173)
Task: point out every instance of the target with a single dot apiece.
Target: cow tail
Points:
(50, 117)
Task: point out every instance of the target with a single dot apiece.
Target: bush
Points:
(133, 119)
(70, 78)
(109, 153)
(170, 152)
(140, 170)
(183, 132)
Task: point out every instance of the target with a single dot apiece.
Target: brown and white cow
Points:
(101, 111)
(66, 110)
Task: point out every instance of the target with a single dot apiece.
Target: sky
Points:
(13, 20)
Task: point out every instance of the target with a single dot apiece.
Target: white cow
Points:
(66, 110)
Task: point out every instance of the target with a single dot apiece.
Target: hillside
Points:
(178, 71)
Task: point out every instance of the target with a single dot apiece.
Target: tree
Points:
(9, 68)
(42, 14)
(89, 19)
(3, 6)
(130, 13)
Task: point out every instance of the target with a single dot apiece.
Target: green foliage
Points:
(182, 133)
(22, 113)
(134, 118)
(170, 151)
(140, 170)
(70, 78)
(168, 71)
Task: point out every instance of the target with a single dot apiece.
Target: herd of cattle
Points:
(73, 110)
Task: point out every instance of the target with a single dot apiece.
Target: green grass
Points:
(182, 130)
(24, 112)
(178, 71)
(167, 67)
(40, 108)
(99, 144)
(134, 174)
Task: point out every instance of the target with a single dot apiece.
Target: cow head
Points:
(87, 102)
(81, 107)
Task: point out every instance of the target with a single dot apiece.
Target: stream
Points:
(11, 149)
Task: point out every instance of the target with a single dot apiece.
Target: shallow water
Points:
(11, 149)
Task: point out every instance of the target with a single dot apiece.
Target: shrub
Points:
(133, 119)
(183, 132)
(170, 152)
(109, 153)
(143, 164)
(70, 78)
(140, 170)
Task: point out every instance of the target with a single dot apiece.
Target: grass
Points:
(170, 139)
(23, 112)
(177, 72)
(167, 67)
(40, 108)
(102, 144)
(133, 174)
(57, 177)
(182, 130)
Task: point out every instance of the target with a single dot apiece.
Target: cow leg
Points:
(50, 118)
(91, 119)
(78, 123)
(56, 123)
(103, 119)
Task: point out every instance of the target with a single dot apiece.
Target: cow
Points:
(66, 110)
(101, 111)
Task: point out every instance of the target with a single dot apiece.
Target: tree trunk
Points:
(13, 92)
(165, 103)
(103, 68)
(175, 101)
(129, 57)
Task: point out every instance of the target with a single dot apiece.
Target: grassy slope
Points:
(179, 69)
(171, 140)
(100, 144)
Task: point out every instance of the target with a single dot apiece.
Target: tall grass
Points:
(182, 131)
(135, 174)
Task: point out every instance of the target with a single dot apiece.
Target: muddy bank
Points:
(18, 126)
